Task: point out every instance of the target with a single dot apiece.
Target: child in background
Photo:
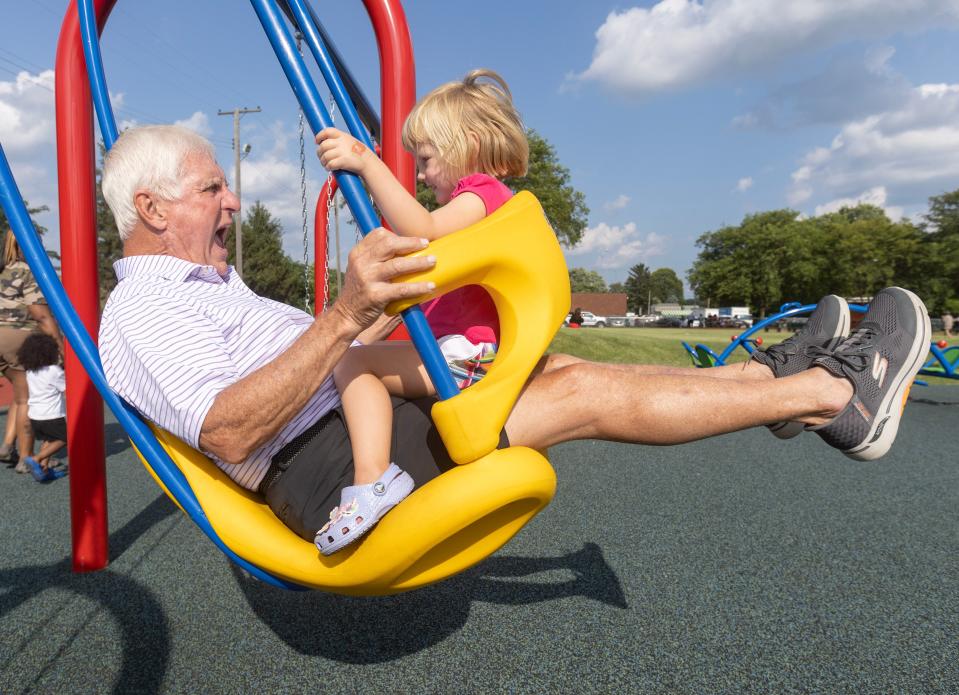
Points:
(40, 357)
(466, 137)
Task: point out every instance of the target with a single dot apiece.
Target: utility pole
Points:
(237, 156)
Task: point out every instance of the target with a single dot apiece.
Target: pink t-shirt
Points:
(469, 311)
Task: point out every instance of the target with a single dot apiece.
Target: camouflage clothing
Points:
(18, 290)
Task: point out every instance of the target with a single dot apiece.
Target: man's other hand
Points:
(373, 263)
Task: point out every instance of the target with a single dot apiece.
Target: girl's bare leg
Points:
(366, 377)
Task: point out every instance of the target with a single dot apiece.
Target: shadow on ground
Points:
(145, 634)
(396, 626)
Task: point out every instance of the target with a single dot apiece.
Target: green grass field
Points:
(647, 345)
(659, 345)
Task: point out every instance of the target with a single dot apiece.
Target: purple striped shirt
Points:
(175, 334)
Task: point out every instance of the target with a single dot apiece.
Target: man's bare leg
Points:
(739, 371)
(586, 400)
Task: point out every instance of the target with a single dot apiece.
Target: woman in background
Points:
(23, 310)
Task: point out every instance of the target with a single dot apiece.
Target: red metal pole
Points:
(397, 84)
(78, 250)
(397, 93)
(321, 240)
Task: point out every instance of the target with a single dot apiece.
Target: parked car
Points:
(668, 322)
(590, 320)
(728, 322)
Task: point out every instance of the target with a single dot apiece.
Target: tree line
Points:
(778, 256)
(643, 286)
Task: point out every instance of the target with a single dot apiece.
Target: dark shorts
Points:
(50, 430)
(310, 487)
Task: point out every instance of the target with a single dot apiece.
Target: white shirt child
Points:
(46, 386)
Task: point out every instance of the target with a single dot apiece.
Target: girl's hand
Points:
(340, 151)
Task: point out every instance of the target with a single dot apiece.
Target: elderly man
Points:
(247, 380)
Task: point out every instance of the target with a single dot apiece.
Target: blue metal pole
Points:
(98, 83)
(87, 353)
(350, 184)
(325, 62)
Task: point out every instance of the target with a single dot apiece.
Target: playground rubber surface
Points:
(741, 564)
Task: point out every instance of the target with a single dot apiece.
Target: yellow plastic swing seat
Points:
(461, 517)
(448, 525)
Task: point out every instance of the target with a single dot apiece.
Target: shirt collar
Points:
(169, 268)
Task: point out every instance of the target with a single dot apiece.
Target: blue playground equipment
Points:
(703, 356)
(943, 361)
(507, 486)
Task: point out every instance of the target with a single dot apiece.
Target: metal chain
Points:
(306, 237)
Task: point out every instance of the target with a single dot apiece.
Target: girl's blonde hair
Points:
(449, 117)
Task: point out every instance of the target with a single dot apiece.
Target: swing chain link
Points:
(306, 238)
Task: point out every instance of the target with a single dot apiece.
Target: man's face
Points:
(198, 223)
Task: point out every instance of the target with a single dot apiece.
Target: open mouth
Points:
(220, 236)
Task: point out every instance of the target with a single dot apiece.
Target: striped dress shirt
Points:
(175, 334)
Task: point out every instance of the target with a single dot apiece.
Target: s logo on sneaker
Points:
(879, 366)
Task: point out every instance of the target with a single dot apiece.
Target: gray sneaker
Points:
(826, 327)
(881, 358)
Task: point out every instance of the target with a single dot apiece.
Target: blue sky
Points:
(674, 117)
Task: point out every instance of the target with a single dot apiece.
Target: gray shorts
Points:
(305, 493)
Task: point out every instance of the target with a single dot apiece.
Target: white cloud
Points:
(618, 247)
(744, 184)
(874, 196)
(908, 152)
(271, 174)
(677, 43)
(26, 113)
(28, 134)
(199, 122)
(621, 201)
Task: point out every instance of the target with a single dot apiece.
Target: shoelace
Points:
(786, 349)
(852, 351)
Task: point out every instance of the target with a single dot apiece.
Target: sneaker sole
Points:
(788, 430)
(885, 424)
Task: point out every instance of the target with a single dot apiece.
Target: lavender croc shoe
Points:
(361, 507)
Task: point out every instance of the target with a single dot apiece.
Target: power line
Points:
(37, 68)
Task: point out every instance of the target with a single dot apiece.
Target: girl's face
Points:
(432, 172)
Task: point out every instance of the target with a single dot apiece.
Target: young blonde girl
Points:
(466, 137)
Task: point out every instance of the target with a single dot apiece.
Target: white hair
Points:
(151, 158)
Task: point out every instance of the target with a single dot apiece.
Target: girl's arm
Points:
(339, 151)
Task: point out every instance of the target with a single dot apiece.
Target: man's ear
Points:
(150, 209)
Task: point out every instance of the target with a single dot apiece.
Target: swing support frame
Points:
(76, 167)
